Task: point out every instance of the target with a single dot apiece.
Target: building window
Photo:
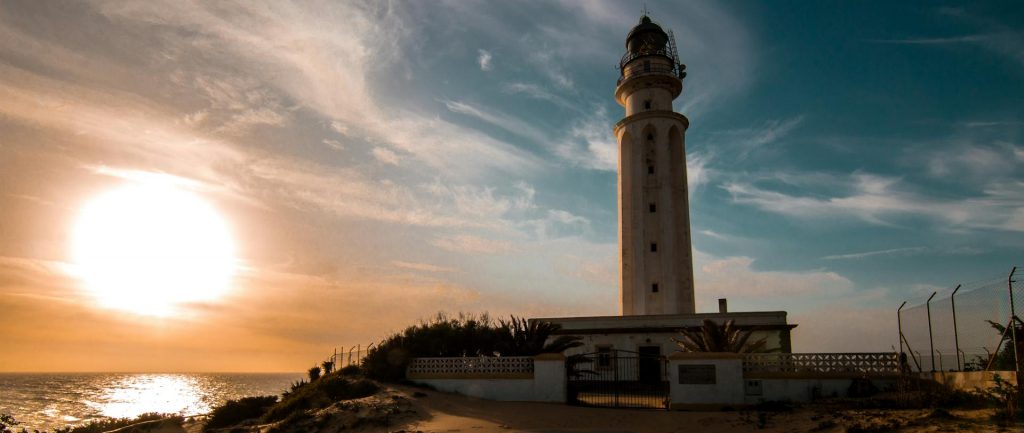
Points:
(647, 105)
(654, 247)
(654, 288)
(650, 169)
(650, 137)
(604, 356)
(652, 207)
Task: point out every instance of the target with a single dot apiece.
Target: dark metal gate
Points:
(618, 378)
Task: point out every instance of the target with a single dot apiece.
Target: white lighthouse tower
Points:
(656, 259)
(654, 221)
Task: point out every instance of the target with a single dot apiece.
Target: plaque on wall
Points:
(697, 374)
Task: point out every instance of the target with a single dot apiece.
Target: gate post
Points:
(615, 378)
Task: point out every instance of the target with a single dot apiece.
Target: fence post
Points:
(899, 324)
(1013, 329)
(931, 341)
(956, 336)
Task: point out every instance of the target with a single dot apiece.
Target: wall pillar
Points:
(706, 381)
(549, 377)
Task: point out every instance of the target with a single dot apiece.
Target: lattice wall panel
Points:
(505, 366)
(862, 364)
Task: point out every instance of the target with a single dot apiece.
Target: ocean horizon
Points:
(45, 401)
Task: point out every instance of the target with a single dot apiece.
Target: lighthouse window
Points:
(647, 105)
(650, 137)
(654, 288)
(654, 248)
(650, 169)
(652, 208)
(647, 66)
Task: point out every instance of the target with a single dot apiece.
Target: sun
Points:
(150, 248)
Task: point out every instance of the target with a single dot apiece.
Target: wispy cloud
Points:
(484, 59)
(889, 252)
(879, 199)
(743, 141)
(386, 156)
(736, 278)
(1005, 42)
(590, 143)
(538, 92)
(906, 251)
(934, 41)
(426, 267)
(504, 121)
(469, 244)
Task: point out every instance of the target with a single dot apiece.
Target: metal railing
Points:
(652, 69)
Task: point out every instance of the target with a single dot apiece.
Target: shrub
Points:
(8, 424)
(235, 411)
(351, 370)
(314, 373)
(319, 394)
(105, 425)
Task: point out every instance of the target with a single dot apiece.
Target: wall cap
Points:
(706, 355)
(549, 357)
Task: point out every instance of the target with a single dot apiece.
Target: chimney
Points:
(723, 305)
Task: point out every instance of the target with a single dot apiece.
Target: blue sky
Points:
(379, 162)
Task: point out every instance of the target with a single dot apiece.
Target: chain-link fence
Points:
(964, 327)
(345, 356)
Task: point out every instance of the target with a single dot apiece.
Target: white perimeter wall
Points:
(546, 385)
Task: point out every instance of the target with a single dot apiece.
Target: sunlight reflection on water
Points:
(51, 400)
(164, 393)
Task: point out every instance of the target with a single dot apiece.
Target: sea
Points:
(45, 401)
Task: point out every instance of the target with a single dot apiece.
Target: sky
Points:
(378, 162)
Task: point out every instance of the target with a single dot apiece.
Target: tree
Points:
(712, 337)
(1003, 360)
(526, 338)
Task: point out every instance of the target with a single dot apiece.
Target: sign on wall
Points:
(697, 374)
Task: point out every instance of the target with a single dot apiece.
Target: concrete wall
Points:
(732, 388)
(727, 391)
(970, 380)
(804, 389)
(490, 389)
(547, 383)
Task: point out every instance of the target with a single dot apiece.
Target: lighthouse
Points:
(655, 256)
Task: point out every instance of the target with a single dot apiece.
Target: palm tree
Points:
(712, 337)
(526, 338)
(1004, 359)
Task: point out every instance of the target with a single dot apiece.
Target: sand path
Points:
(440, 412)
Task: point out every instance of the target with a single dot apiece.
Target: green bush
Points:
(235, 411)
(464, 335)
(319, 394)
